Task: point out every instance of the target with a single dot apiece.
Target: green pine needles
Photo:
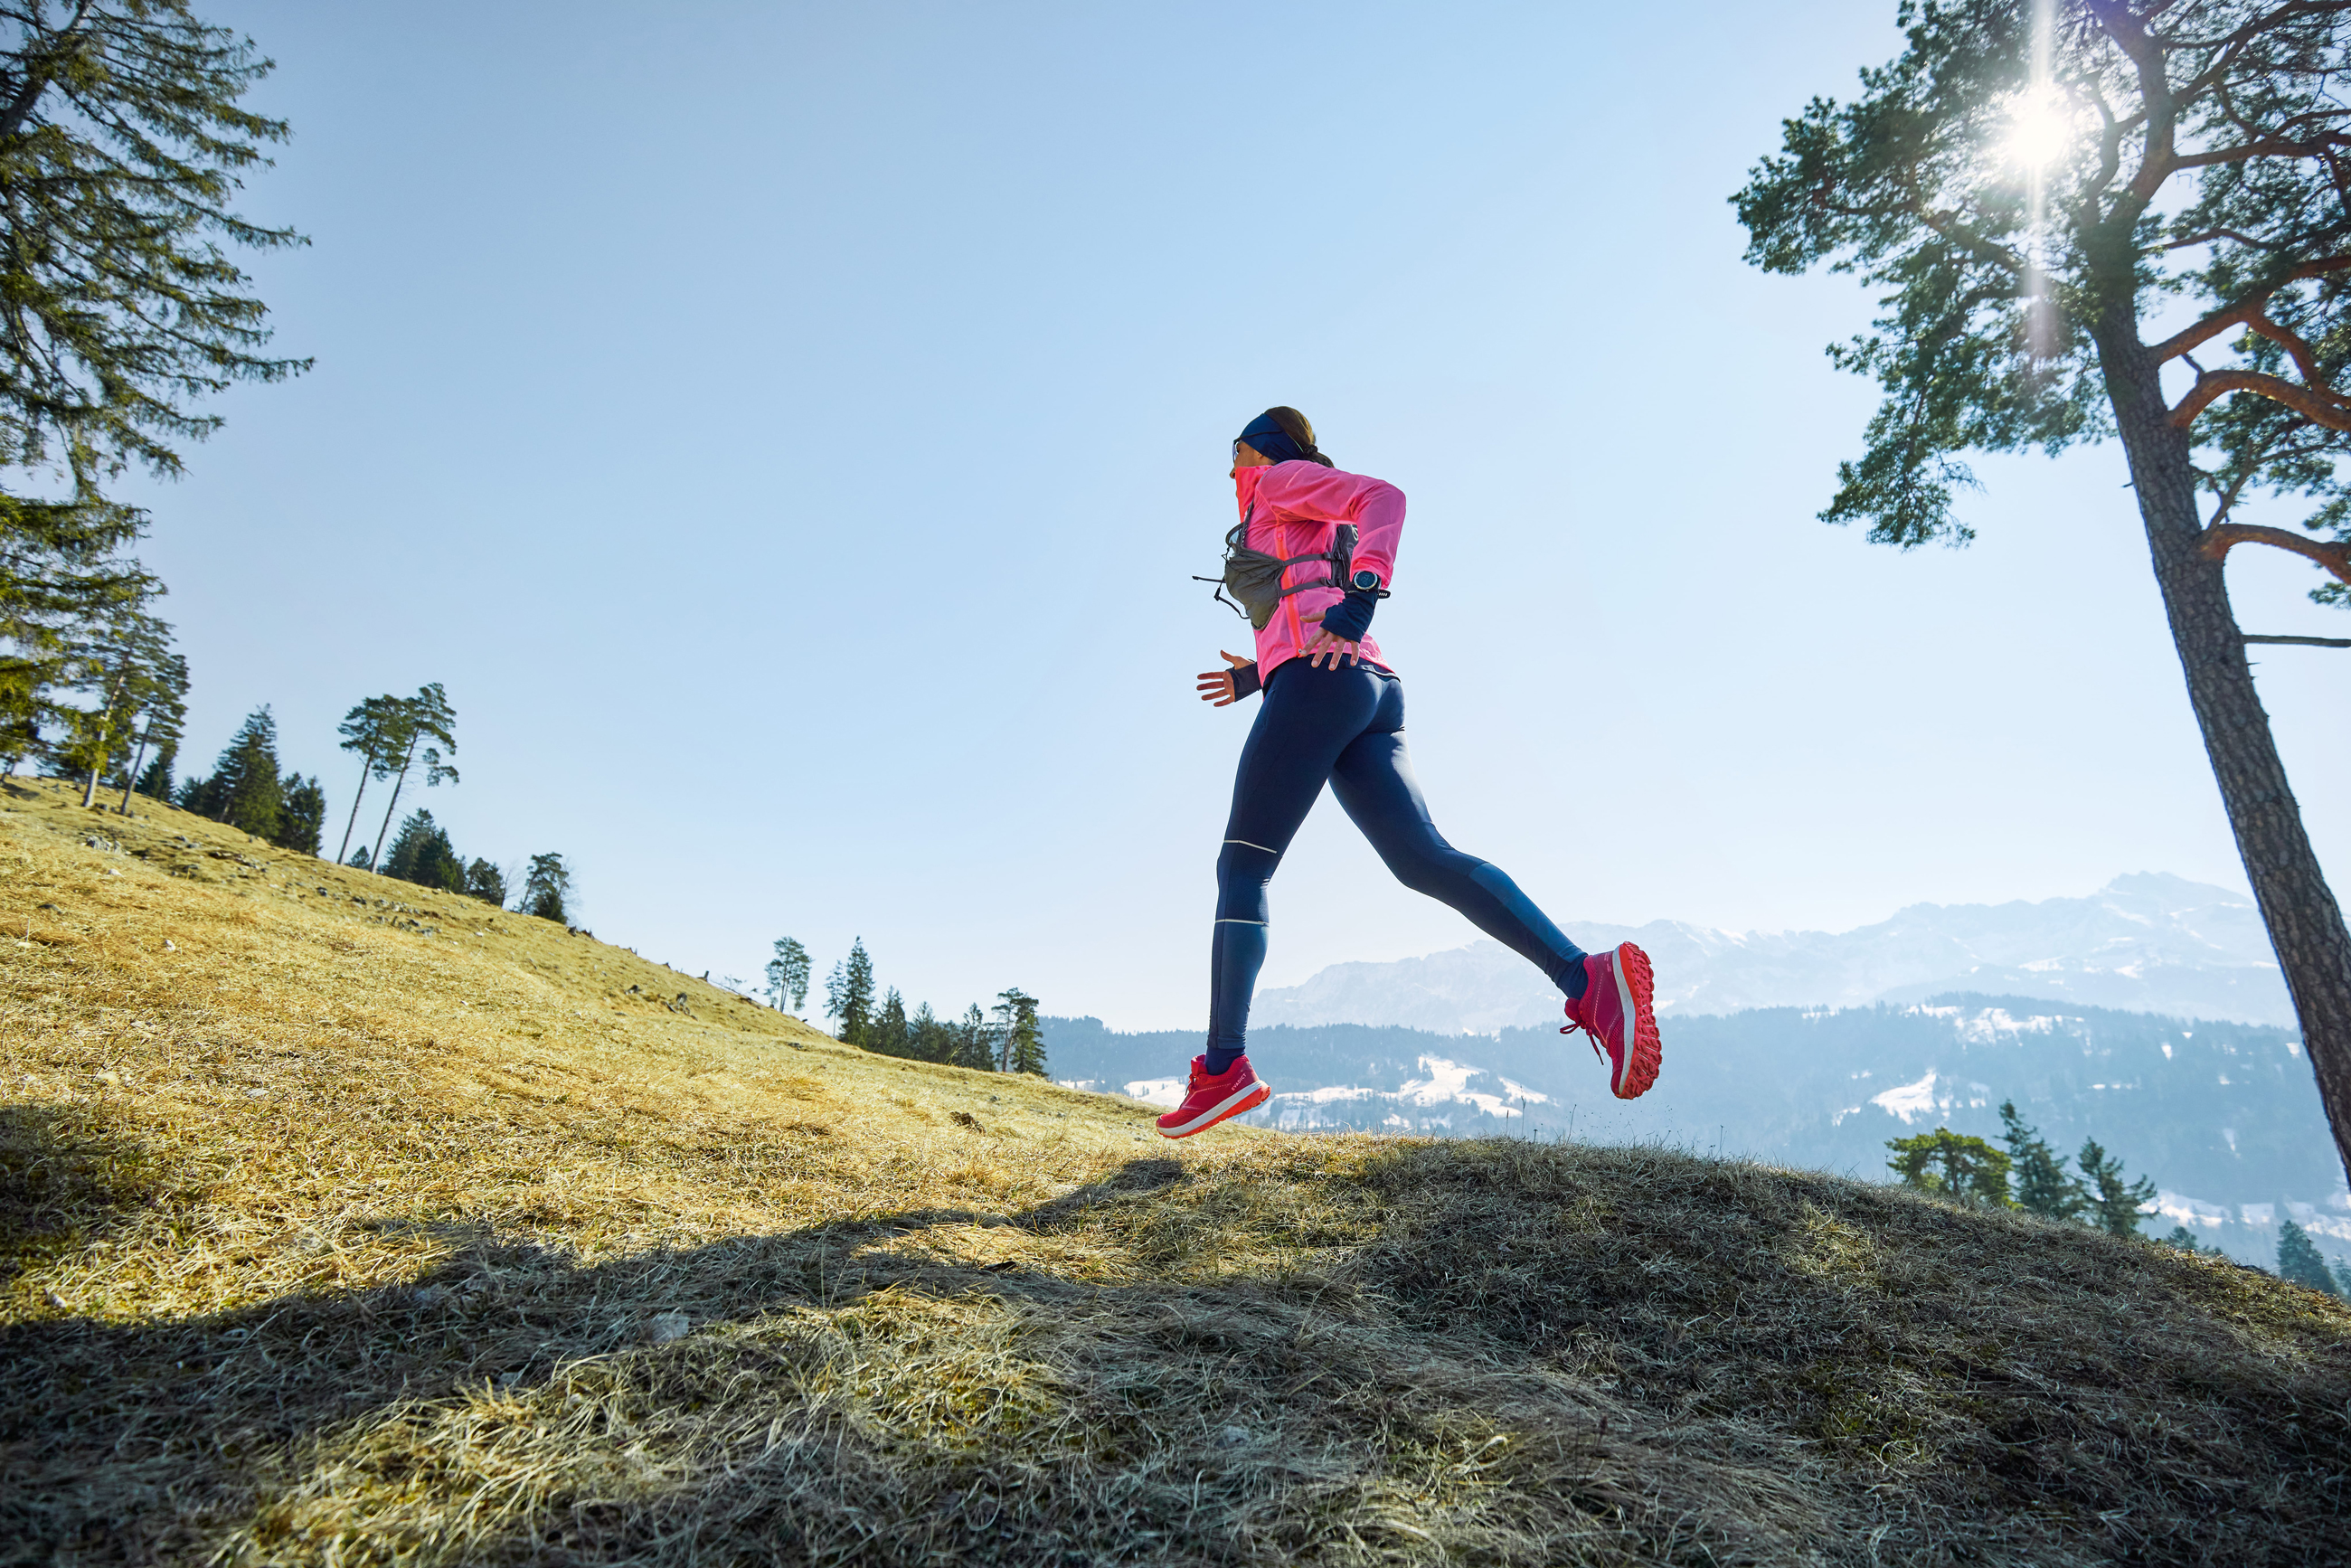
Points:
(2030, 1176)
(122, 148)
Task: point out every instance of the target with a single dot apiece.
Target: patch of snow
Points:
(1158, 1090)
(2259, 1213)
(1909, 1100)
(2182, 1209)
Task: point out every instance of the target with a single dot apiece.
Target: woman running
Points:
(1333, 710)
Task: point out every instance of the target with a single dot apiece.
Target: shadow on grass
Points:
(66, 1181)
(1524, 1353)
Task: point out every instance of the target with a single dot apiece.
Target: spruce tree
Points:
(359, 861)
(422, 854)
(1024, 1039)
(974, 1044)
(155, 783)
(787, 975)
(889, 1028)
(244, 790)
(486, 882)
(200, 795)
(848, 994)
(2113, 1202)
(929, 1039)
(2042, 1188)
(2299, 1262)
(1953, 1165)
(304, 818)
(547, 889)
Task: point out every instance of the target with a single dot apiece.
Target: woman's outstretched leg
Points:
(1609, 995)
(1374, 782)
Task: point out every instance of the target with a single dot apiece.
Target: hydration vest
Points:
(1254, 577)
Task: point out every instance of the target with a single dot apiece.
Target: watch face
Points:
(1367, 580)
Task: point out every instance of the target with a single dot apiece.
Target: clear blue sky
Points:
(788, 432)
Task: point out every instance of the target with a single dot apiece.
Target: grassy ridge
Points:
(332, 1232)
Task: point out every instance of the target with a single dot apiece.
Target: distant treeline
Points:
(1005, 1039)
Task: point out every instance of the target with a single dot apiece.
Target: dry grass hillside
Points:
(345, 1224)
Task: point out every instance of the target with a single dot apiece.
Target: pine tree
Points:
(2170, 272)
(787, 975)
(122, 665)
(121, 145)
(486, 882)
(2299, 1262)
(2114, 1203)
(1024, 1040)
(2042, 1188)
(304, 817)
(377, 730)
(1954, 1166)
(359, 859)
(547, 889)
(162, 719)
(244, 790)
(427, 716)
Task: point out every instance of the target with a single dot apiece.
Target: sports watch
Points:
(1364, 581)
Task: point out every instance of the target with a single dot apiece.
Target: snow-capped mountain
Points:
(2146, 943)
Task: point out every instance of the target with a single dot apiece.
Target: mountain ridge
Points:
(2146, 942)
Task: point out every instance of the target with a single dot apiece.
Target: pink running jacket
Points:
(1297, 505)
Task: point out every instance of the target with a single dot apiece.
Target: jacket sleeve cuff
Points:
(1245, 681)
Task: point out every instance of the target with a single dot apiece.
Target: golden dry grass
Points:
(344, 1234)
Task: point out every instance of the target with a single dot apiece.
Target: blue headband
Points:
(1270, 439)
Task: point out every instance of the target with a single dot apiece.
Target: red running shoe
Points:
(1618, 1008)
(1214, 1097)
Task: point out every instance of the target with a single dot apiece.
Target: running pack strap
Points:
(1254, 577)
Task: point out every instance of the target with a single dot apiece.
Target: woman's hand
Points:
(1217, 686)
(1325, 642)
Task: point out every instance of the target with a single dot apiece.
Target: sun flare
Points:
(2040, 126)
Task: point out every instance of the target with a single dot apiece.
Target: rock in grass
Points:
(664, 1327)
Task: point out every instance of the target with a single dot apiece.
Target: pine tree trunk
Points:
(90, 789)
(2305, 924)
(344, 855)
(130, 778)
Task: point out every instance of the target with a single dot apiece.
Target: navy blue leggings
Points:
(1346, 726)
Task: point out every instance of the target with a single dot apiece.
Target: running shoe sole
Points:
(1636, 990)
(1247, 1099)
